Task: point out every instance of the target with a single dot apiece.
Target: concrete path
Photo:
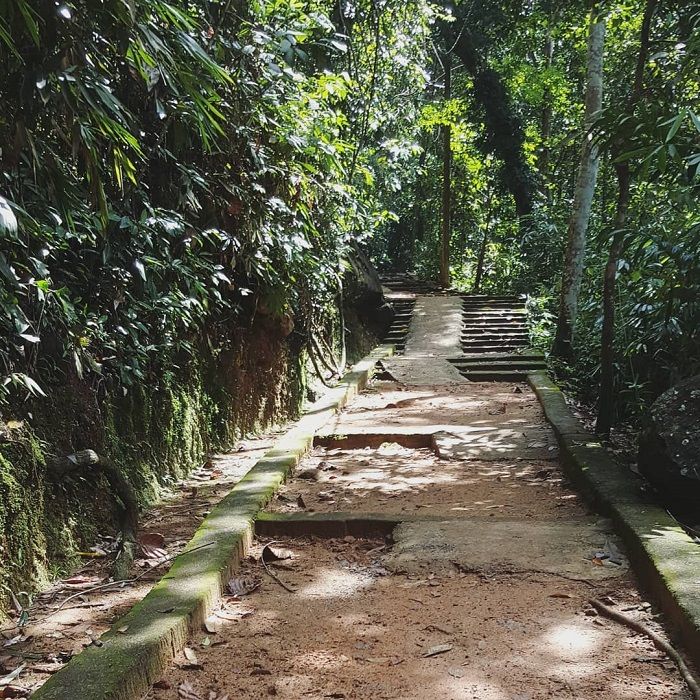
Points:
(433, 336)
(450, 559)
(435, 327)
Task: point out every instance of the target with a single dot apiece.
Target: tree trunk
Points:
(446, 184)
(606, 405)
(482, 248)
(583, 193)
(546, 125)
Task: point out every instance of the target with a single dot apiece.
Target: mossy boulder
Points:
(669, 447)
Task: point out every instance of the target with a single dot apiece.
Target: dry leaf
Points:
(190, 655)
(6, 680)
(242, 585)
(151, 544)
(185, 691)
(123, 629)
(212, 624)
(275, 553)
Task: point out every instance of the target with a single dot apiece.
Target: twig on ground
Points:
(660, 643)
(272, 574)
(109, 584)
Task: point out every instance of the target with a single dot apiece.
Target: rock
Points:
(364, 291)
(669, 447)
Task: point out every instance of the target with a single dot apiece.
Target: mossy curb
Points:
(664, 557)
(126, 664)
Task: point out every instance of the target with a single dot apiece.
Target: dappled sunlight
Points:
(392, 478)
(334, 583)
(352, 631)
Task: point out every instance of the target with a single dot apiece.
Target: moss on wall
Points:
(156, 433)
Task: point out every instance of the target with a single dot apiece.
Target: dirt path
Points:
(480, 592)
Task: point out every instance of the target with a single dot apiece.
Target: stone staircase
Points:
(398, 331)
(495, 340)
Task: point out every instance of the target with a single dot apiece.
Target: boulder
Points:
(364, 291)
(669, 447)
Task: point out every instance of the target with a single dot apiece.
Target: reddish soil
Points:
(61, 625)
(352, 630)
(442, 627)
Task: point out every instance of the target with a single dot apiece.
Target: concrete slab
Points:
(423, 371)
(495, 443)
(435, 327)
(500, 546)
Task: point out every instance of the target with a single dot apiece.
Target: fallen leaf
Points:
(185, 691)
(6, 680)
(438, 649)
(275, 553)
(123, 629)
(153, 539)
(242, 585)
(212, 624)
(151, 545)
(190, 655)
(233, 615)
(81, 580)
(15, 640)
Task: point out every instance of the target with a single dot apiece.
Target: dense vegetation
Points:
(515, 114)
(174, 171)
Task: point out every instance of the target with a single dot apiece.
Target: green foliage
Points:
(538, 53)
(171, 166)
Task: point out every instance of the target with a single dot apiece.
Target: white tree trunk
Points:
(585, 188)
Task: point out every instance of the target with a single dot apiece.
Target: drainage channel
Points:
(428, 546)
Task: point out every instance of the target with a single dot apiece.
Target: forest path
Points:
(430, 548)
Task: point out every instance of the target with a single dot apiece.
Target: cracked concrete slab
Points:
(492, 546)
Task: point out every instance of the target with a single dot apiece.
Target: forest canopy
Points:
(168, 167)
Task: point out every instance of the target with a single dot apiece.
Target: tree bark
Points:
(546, 124)
(606, 405)
(583, 193)
(446, 184)
(505, 137)
(482, 248)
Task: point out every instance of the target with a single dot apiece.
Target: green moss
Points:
(156, 433)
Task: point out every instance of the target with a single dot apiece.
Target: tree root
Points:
(123, 490)
(659, 643)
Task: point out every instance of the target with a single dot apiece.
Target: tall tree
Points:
(446, 181)
(505, 137)
(623, 173)
(584, 191)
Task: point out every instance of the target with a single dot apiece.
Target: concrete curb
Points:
(664, 558)
(126, 664)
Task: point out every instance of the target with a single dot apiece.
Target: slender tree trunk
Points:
(583, 193)
(546, 125)
(482, 249)
(446, 184)
(606, 405)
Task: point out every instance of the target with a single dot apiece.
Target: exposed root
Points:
(659, 643)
